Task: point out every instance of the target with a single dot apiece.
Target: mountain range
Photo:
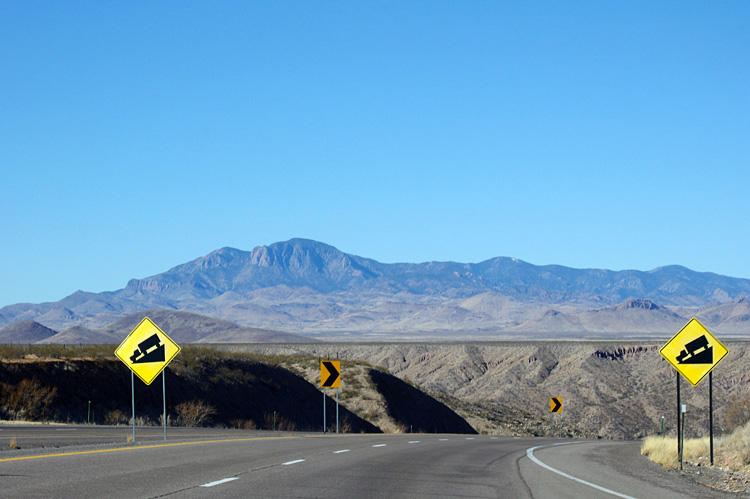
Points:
(308, 287)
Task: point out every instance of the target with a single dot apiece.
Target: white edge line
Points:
(219, 482)
(530, 454)
(341, 451)
(293, 462)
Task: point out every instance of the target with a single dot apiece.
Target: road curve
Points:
(203, 463)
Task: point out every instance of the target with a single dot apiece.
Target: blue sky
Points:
(135, 136)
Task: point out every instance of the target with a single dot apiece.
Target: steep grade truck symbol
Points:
(144, 352)
(697, 352)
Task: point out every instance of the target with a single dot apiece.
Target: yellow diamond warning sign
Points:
(147, 350)
(694, 351)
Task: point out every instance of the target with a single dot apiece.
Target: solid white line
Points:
(341, 451)
(219, 482)
(530, 454)
(380, 445)
(293, 462)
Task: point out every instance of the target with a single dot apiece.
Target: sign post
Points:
(694, 352)
(146, 351)
(330, 377)
(555, 407)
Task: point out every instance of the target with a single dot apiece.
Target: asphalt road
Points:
(235, 463)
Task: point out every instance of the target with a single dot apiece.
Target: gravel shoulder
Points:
(693, 481)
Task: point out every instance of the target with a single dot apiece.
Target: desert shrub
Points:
(195, 412)
(738, 411)
(734, 449)
(28, 399)
(277, 421)
(345, 425)
(116, 417)
(141, 421)
(243, 424)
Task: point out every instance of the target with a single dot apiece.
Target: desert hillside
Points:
(609, 389)
(240, 390)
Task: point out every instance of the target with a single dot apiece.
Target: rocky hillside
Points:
(609, 389)
(243, 393)
(304, 286)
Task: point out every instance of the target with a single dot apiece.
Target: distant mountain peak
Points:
(306, 285)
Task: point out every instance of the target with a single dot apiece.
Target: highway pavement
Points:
(87, 461)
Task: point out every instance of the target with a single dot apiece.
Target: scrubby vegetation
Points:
(731, 452)
(205, 386)
(663, 450)
(28, 399)
(211, 386)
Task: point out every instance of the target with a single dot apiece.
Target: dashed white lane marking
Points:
(293, 462)
(414, 442)
(219, 482)
(443, 439)
(380, 445)
(530, 454)
(469, 438)
(341, 451)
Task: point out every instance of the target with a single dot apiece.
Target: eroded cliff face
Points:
(608, 389)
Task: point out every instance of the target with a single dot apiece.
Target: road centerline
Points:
(144, 447)
(296, 461)
(219, 482)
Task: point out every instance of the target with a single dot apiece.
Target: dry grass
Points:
(663, 450)
(731, 452)
(734, 450)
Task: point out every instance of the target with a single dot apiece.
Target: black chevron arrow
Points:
(333, 374)
(558, 404)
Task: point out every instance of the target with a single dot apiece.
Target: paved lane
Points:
(275, 465)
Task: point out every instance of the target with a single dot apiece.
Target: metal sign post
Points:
(682, 436)
(132, 393)
(694, 352)
(164, 399)
(711, 413)
(679, 425)
(330, 377)
(147, 351)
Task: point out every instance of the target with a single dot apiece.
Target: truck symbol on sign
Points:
(142, 355)
(697, 352)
